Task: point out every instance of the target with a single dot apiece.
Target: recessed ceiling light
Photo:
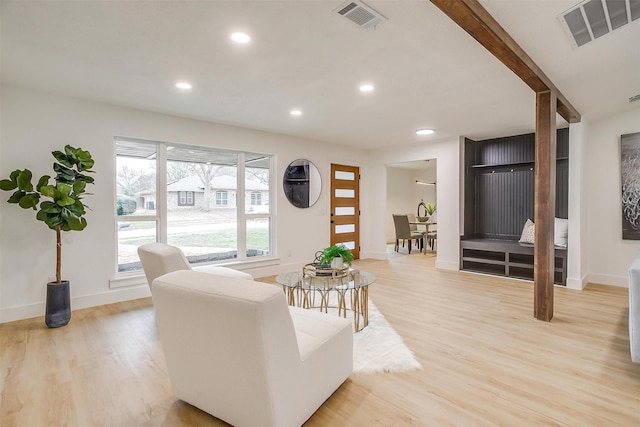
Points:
(183, 85)
(424, 131)
(295, 113)
(366, 87)
(240, 37)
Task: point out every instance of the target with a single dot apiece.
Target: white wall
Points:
(609, 256)
(399, 197)
(447, 155)
(427, 193)
(578, 236)
(35, 123)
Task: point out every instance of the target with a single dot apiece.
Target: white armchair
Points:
(158, 259)
(236, 350)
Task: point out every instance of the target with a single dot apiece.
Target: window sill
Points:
(138, 278)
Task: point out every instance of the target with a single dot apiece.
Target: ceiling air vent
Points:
(594, 18)
(361, 14)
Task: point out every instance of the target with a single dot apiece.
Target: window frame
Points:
(161, 204)
(224, 199)
(186, 195)
(256, 196)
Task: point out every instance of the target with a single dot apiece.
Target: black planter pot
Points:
(58, 308)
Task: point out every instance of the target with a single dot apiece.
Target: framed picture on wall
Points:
(630, 170)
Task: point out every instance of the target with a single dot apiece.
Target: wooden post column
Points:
(545, 205)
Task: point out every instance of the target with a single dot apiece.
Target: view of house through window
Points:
(214, 204)
(185, 198)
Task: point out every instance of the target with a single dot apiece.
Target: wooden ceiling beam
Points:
(475, 20)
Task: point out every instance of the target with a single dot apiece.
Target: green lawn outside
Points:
(256, 239)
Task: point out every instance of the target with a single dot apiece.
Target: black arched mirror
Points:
(302, 183)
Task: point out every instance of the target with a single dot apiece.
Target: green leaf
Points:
(48, 191)
(15, 197)
(24, 180)
(85, 178)
(82, 158)
(54, 221)
(41, 215)
(62, 158)
(30, 200)
(66, 215)
(8, 185)
(44, 180)
(77, 224)
(77, 208)
(64, 188)
(65, 200)
(79, 186)
(49, 207)
(14, 176)
(63, 172)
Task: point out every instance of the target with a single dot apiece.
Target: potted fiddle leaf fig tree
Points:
(60, 207)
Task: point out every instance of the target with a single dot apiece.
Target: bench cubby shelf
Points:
(507, 258)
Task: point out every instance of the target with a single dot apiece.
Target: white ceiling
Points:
(427, 71)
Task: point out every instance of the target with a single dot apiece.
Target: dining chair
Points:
(403, 232)
(432, 236)
(412, 218)
(432, 232)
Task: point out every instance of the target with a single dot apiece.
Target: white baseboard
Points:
(11, 314)
(374, 255)
(608, 279)
(447, 265)
(576, 283)
(36, 310)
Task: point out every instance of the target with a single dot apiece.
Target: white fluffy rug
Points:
(379, 348)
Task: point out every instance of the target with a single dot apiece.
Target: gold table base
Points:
(304, 295)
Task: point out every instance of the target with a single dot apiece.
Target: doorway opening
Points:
(408, 185)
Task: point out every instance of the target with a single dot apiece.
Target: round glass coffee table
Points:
(311, 288)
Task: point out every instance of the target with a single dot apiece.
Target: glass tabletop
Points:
(353, 279)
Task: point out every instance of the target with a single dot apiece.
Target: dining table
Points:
(426, 224)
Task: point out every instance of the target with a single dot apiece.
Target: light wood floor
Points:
(486, 361)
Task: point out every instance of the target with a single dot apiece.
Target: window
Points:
(256, 198)
(185, 198)
(222, 198)
(168, 193)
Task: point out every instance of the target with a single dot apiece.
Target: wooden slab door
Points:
(345, 207)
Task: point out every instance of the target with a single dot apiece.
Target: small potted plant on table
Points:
(336, 256)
